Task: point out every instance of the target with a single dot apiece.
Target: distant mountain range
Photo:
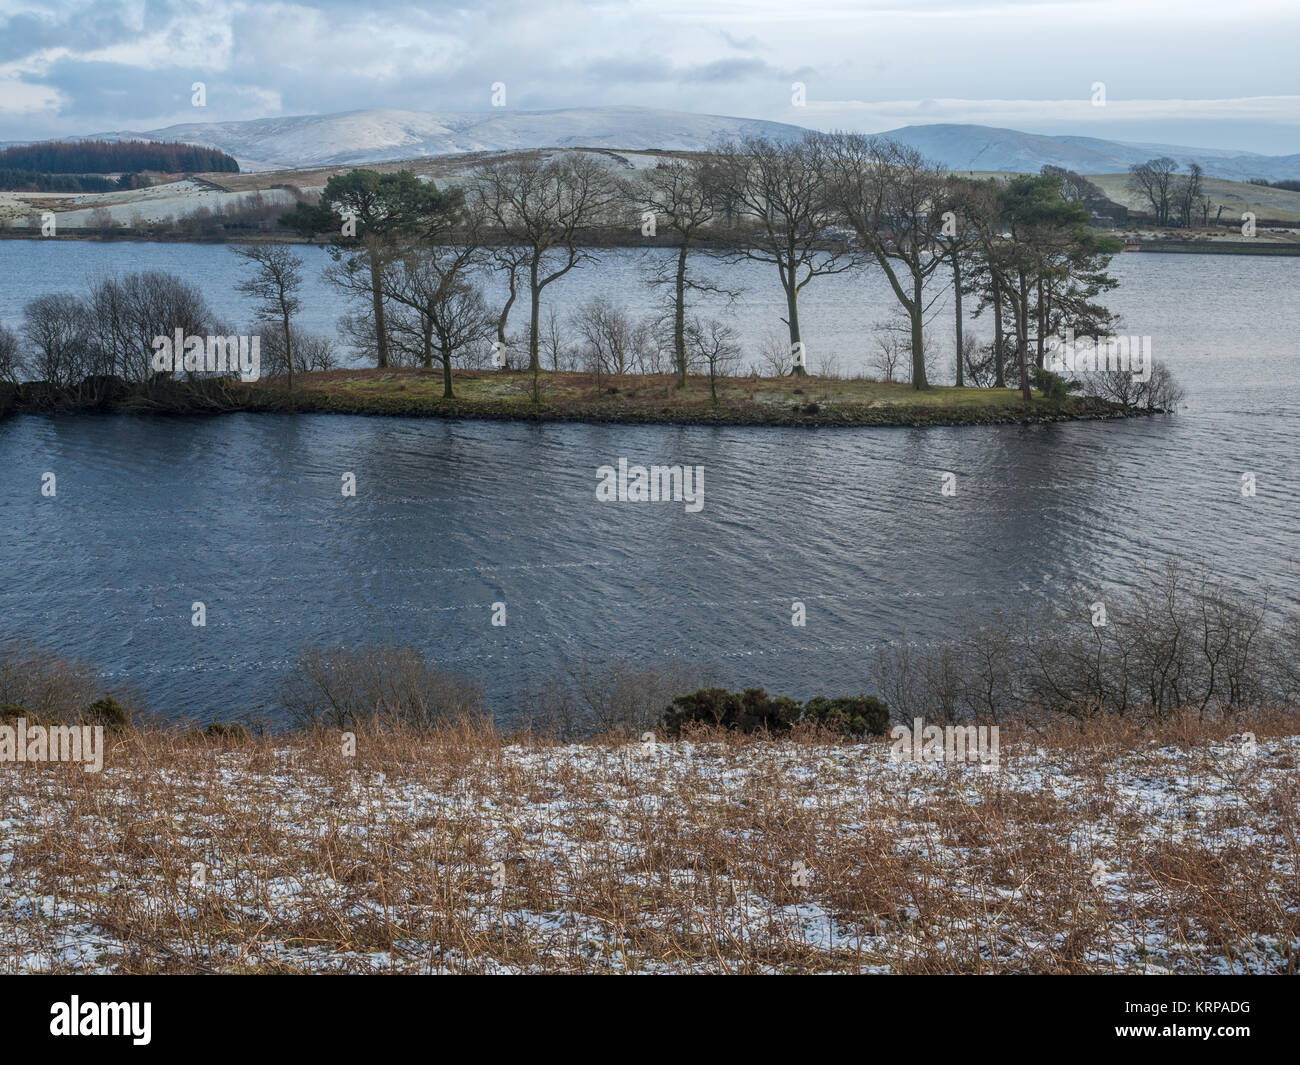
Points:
(988, 148)
(356, 137)
(378, 136)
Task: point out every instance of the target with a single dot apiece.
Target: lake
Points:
(245, 514)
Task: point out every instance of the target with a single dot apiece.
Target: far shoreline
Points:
(1166, 244)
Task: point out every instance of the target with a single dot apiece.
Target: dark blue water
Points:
(245, 514)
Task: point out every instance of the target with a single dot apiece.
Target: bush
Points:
(1160, 393)
(621, 698)
(855, 716)
(109, 713)
(343, 688)
(1055, 388)
(219, 730)
(1183, 643)
(43, 686)
(752, 710)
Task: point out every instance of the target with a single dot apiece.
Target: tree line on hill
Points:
(29, 181)
(116, 157)
(1290, 184)
(79, 166)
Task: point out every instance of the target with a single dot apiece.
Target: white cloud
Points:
(868, 64)
(18, 97)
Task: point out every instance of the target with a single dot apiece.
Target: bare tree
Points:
(891, 197)
(447, 308)
(971, 204)
(1154, 180)
(783, 215)
(275, 286)
(1186, 193)
(311, 352)
(893, 346)
(511, 261)
(608, 335)
(546, 208)
(652, 343)
(552, 342)
(978, 362)
(1160, 392)
(127, 313)
(56, 328)
(713, 343)
(11, 365)
(774, 358)
(680, 195)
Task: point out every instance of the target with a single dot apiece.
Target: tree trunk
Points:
(288, 344)
(956, 290)
(446, 376)
(917, 312)
(1042, 324)
(504, 317)
(679, 319)
(376, 291)
(798, 357)
(999, 362)
(534, 318)
(1022, 336)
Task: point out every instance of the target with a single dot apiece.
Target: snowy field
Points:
(1091, 854)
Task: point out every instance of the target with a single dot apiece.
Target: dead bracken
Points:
(1103, 848)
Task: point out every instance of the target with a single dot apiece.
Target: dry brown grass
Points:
(648, 391)
(638, 857)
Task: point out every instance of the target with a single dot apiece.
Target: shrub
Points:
(44, 686)
(752, 710)
(219, 730)
(343, 688)
(1160, 393)
(1055, 388)
(1181, 643)
(109, 713)
(854, 715)
(620, 698)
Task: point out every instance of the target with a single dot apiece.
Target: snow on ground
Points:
(159, 203)
(657, 857)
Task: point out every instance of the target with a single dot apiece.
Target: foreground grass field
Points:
(1099, 850)
(749, 400)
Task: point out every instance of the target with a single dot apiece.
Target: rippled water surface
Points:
(245, 513)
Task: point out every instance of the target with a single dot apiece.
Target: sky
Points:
(1206, 74)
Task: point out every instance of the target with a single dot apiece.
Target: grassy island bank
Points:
(579, 397)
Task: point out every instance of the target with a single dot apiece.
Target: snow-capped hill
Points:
(358, 137)
(376, 136)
